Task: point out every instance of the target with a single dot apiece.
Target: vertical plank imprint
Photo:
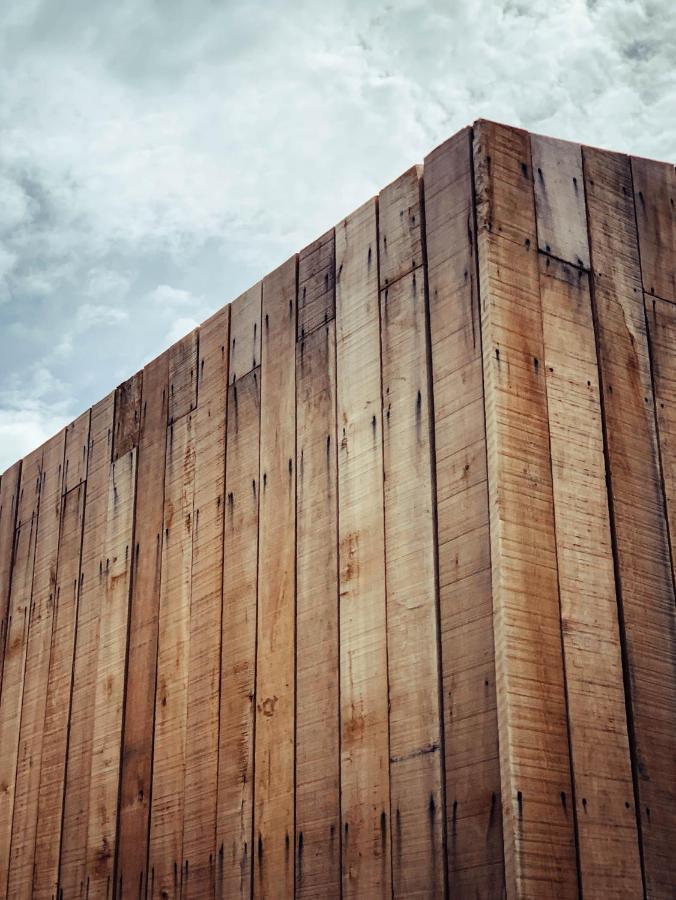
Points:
(201, 770)
(166, 820)
(604, 794)
(77, 452)
(365, 751)
(538, 816)
(116, 567)
(655, 203)
(127, 419)
(9, 499)
(662, 332)
(234, 825)
(73, 852)
(473, 794)
(416, 776)
(57, 708)
(275, 675)
(137, 747)
(12, 683)
(645, 578)
(317, 704)
(31, 735)
(238, 665)
(183, 376)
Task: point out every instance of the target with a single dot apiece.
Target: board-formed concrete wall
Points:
(365, 588)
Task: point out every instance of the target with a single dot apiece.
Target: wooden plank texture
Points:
(245, 333)
(137, 748)
(57, 706)
(234, 823)
(201, 769)
(12, 683)
(317, 284)
(538, 826)
(234, 826)
(317, 672)
(365, 781)
(661, 318)
(275, 671)
(27, 778)
(400, 227)
(559, 200)
(416, 776)
(76, 452)
(166, 821)
(116, 564)
(183, 376)
(73, 853)
(29, 486)
(655, 203)
(473, 797)
(640, 531)
(604, 794)
(9, 498)
(127, 422)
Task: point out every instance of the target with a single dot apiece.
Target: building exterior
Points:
(365, 588)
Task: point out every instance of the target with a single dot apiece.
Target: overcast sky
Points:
(157, 158)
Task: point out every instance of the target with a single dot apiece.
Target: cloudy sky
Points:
(159, 156)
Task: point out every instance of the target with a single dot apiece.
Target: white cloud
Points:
(107, 283)
(14, 205)
(166, 295)
(144, 150)
(7, 263)
(179, 329)
(22, 430)
(89, 315)
(32, 409)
